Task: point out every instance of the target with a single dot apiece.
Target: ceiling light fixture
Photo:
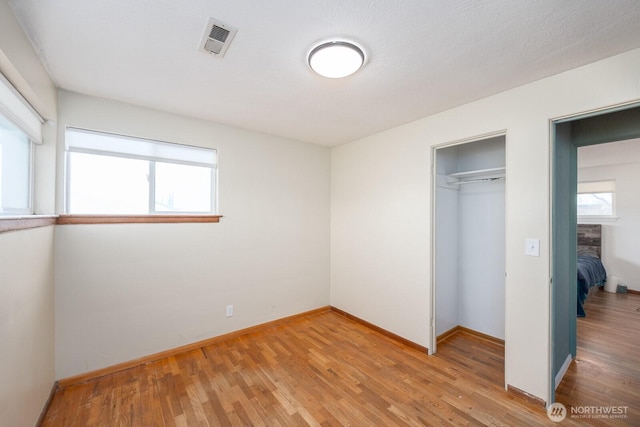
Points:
(336, 59)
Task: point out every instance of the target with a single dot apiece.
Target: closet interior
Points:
(469, 226)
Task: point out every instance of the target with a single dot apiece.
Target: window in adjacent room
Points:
(596, 199)
(121, 175)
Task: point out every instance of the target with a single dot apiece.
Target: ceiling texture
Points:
(422, 56)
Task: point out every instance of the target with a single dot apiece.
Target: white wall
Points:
(126, 291)
(446, 235)
(27, 256)
(380, 247)
(482, 240)
(481, 257)
(621, 238)
(26, 324)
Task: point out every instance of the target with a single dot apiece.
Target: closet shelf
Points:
(480, 175)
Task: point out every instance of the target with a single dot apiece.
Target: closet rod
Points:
(471, 181)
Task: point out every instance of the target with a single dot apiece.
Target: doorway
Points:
(615, 124)
(468, 224)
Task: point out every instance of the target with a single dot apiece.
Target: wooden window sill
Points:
(14, 223)
(136, 219)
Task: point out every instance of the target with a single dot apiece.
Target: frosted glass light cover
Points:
(336, 59)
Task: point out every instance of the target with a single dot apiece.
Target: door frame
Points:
(558, 239)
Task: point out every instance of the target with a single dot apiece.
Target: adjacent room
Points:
(200, 224)
(607, 177)
(607, 215)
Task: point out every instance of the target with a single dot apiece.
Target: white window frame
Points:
(142, 149)
(17, 110)
(597, 187)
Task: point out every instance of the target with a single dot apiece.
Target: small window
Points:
(20, 128)
(596, 199)
(15, 169)
(120, 175)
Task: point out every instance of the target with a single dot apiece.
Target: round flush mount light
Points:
(336, 59)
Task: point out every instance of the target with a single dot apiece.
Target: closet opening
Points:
(468, 225)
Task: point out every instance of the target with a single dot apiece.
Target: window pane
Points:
(183, 188)
(107, 185)
(595, 204)
(115, 174)
(15, 169)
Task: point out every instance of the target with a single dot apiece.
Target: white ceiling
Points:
(423, 56)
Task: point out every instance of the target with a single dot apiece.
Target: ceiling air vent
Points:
(217, 37)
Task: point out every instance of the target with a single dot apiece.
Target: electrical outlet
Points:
(229, 310)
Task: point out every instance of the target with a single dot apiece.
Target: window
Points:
(20, 127)
(596, 199)
(15, 170)
(114, 174)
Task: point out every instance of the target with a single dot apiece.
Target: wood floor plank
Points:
(328, 370)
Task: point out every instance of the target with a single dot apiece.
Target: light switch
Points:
(532, 247)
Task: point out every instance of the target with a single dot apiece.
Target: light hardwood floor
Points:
(328, 370)
(606, 371)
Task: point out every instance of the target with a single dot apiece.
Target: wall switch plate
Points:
(532, 247)
(229, 310)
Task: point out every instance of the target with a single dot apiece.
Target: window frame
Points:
(598, 187)
(213, 191)
(16, 110)
(160, 216)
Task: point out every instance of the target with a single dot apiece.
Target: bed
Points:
(591, 271)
